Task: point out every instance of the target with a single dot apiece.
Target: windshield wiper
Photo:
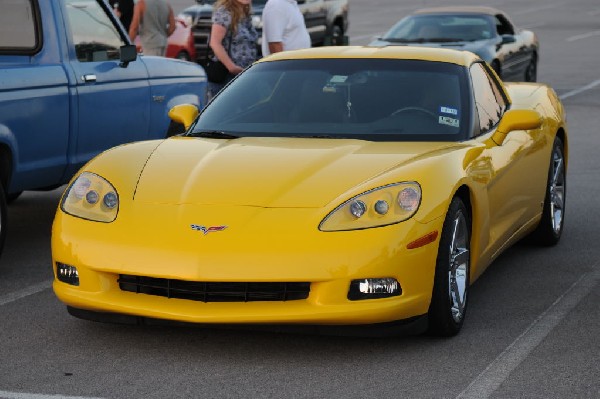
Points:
(423, 40)
(214, 134)
(395, 40)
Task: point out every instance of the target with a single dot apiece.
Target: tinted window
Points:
(443, 27)
(489, 101)
(371, 99)
(94, 35)
(18, 26)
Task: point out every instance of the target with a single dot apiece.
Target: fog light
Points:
(371, 288)
(67, 274)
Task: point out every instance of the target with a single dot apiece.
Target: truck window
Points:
(93, 33)
(18, 27)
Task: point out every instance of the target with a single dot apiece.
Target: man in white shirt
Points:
(283, 27)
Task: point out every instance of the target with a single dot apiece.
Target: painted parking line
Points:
(32, 289)
(584, 35)
(22, 395)
(580, 90)
(486, 383)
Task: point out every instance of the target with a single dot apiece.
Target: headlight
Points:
(91, 197)
(378, 207)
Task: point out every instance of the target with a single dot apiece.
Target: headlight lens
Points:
(382, 206)
(91, 197)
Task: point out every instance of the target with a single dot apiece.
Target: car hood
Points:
(479, 47)
(270, 172)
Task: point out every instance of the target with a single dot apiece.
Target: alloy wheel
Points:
(557, 190)
(459, 267)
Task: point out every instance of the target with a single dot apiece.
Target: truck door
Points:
(112, 100)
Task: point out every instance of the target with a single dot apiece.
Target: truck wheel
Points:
(10, 198)
(337, 35)
(3, 220)
(183, 55)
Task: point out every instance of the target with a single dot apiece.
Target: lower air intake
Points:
(214, 292)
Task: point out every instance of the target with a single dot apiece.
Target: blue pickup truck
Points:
(72, 86)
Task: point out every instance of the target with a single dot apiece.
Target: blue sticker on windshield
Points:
(448, 110)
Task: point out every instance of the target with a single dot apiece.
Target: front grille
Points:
(214, 292)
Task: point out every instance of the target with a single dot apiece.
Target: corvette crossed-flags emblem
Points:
(207, 230)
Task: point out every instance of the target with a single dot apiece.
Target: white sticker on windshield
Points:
(446, 120)
(338, 79)
(448, 110)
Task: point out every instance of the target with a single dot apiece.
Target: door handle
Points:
(88, 78)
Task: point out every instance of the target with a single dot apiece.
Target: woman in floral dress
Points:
(232, 39)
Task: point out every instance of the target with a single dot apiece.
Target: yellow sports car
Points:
(347, 189)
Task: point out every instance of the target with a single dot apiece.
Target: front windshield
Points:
(441, 28)
(369, 99)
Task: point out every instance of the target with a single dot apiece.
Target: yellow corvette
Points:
(341, 188)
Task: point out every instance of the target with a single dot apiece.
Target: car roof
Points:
(459, 57)
(459, 9)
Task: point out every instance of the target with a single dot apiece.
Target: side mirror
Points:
(507, 39)
(128, 53)
(516, 119)
(184, 114)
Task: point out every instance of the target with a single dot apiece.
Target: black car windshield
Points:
(368, 99)
(442, 28)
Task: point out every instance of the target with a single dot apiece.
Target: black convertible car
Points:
(485, 31)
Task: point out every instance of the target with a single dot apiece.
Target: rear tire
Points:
(451, 282)
(550, 229)
(3, 217)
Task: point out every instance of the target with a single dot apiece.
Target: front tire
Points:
(497, 68)
(451, 282)
(531, 70)
(550, 229)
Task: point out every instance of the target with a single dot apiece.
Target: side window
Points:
(489, 100)
(94, 35)
(19, 31)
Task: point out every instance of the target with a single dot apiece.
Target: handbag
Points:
(216, 71)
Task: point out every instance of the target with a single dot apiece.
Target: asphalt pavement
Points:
(532, 327)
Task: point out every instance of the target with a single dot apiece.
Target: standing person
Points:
(154, 21)
(124, 10)
(283, 27)
(232, 38)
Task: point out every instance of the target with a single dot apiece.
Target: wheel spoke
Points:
(557, 173)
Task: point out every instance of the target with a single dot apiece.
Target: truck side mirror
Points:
(128, 53)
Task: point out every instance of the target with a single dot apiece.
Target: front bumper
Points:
(259, 245)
